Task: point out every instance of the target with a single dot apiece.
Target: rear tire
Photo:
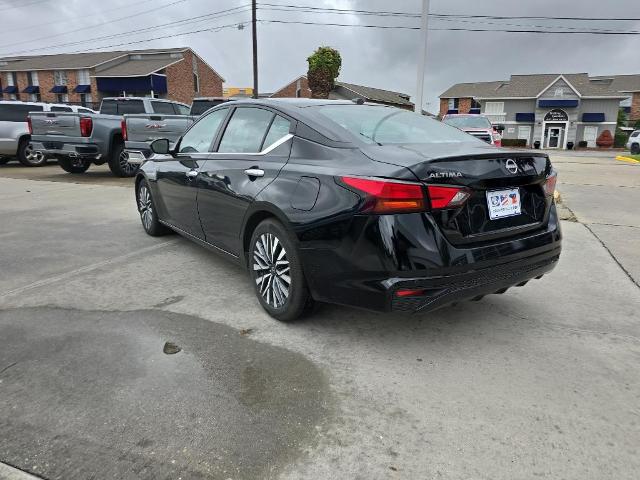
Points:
(148, 212)
(119, 162)
(635, 149)
(28, 156)
(276, 271)
(74, 165)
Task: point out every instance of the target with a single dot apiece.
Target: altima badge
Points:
(445, 175)
(511, 165)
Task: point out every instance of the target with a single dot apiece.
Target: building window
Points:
(453, 103)
(83, 77)
(86, 100)
(32, 79)
(524, 132)
(475, 104)
(494, 108)
(60, 77)
(62, 98)
(196, 78)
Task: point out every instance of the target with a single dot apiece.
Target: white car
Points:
(15, 139)
(634, 143)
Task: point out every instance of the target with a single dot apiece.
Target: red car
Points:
(477, 125)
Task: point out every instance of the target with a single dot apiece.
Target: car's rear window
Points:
(17, 113)
(61, 109)
(198, 107)
(389, 125)
(121, 107)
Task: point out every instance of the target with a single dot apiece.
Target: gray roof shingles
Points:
(529, 86)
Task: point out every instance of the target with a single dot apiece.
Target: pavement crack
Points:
(8, 367)
(627, 273)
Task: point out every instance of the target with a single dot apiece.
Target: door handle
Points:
(254, 172)
(192, 173)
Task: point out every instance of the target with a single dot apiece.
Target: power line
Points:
(87, 27)
(405, 27)
(183, 22)
(417, 15)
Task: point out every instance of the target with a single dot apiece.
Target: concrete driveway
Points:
(540, 382)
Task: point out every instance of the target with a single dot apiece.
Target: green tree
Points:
(324, 68)
(621, 137)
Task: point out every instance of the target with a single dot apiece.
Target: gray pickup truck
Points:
(139, 130)
(78, 140)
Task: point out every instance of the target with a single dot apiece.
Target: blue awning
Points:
(31, 89)
(59, 89)
(157, 83)
(10, 89)
(558, 103)
(452, 112)
(475, 111)
(626, 109)
(82, 89)
(526, 117)
(593, 117)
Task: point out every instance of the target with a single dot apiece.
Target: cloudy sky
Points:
(374, 57)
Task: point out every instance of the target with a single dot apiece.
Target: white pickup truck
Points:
(79, 139)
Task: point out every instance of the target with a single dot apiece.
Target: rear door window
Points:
(246, 131)
(10, 112)
(120, 107)
(164, 108)
(61, 109)
(181, 109)
(278, 129)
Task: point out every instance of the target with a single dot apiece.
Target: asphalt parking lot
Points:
(541, 382)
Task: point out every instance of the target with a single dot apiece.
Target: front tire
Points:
(119, 162)
(74, 165)
(28, 156)
(276, 271)
(148, 212)
(635, 149)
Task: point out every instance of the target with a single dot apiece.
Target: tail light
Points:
(29, 126)
(550, 184)
(123, 126)
(86, 126)
(393, 196)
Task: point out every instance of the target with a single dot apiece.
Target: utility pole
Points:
(255, 48)
(424, 24)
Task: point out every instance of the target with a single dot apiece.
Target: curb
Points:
(7, 472)
(622, 158)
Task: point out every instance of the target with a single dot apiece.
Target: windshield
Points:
(468, 122)
(389, 125)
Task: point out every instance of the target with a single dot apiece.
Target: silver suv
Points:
(14, 129)
(634, 143)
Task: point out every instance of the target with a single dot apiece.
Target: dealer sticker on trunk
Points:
(503, 203)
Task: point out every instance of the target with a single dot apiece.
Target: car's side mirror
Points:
(160, 146)
(499, 128)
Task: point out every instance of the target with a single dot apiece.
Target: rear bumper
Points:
(375, 259)
(83, 150)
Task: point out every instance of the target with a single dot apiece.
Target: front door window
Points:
(554, 137)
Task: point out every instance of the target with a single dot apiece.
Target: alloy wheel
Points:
(145, 207)
(271, 269)
(32, 155)
(127, 168)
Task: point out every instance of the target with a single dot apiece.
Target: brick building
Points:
(299, 88)
(554, 109)
(85, 78)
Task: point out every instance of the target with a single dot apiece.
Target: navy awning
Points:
(557, 103)
(626, 109)
(82, 89)
(10, 89)
(452, 112)
(157, 83)
(593, 117)
(31, 89)
(526, 117)
(59, 89)
(475, 111)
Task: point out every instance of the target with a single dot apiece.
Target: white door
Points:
(590, 135)
(524, 133)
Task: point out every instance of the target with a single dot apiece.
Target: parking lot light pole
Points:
(422, 61)
(255, 48)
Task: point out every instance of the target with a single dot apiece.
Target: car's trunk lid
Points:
(480, 169)
(55, 123)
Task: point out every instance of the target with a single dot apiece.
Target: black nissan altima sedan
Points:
(357, 204)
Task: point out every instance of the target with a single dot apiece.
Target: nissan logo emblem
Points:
(511, 165)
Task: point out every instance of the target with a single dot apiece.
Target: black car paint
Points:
(348, 257)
